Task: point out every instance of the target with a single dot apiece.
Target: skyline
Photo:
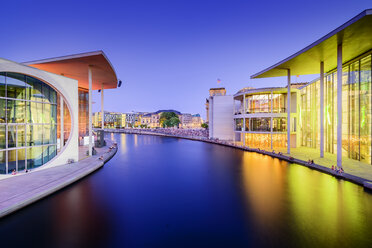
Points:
(169, 53)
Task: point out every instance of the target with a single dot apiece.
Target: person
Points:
(273, 151)
(333, 167)
(341, 170)
(312, 161)
(101, 157)
(14, 172)
(309, 161)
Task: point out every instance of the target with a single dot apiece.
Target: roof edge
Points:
(330, 34)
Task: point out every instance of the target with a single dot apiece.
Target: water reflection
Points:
(311, 207)
(167, 192)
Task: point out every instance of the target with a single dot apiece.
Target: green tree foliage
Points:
(169, 119)
(204, 125)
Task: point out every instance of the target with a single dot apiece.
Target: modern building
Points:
(45, 108)
(260, 116)
(335, 113)
(220, 112)
(213, 92)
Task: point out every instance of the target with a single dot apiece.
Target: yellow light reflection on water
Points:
(304, 202)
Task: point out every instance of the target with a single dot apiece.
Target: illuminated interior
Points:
(356, 115)
(29, 122)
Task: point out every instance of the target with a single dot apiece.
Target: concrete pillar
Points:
(271, 120)
(339, 105)
(289, 111)
(234, 121)
(90, 110)
(102, 111)
(244, 112)
(321, 109)
(62, 122)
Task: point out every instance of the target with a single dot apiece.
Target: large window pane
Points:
(34, 157)
(52, 152)
(11, 136)
(12, 160)
(2, 110)
(46, 134)
(260, 124)
(2, 162)
(2, 84)
(365, 109)
(45, 154)
(279, 124)
(21, 135)
(16, 111)
(15, 85)
(239, 124)
(21, 157)
(2, 136)
(34, 89)
(47, 112)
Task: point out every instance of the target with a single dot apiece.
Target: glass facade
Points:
(28, 122)
(263, 140)
(356, 111)
(261, 103)
(83, 113)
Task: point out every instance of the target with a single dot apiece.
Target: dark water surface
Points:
(168, 192)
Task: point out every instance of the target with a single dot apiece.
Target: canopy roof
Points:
(355, 36)
(76, 66)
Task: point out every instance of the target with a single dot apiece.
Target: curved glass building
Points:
(28, 122)
(45, 109)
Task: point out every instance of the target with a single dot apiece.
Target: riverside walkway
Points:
(22, 190)
(361, 175)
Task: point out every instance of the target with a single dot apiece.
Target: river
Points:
(170, 192)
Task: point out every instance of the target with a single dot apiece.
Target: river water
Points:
(169, 192)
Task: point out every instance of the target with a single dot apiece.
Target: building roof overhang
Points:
(76, 66)
(355, 36)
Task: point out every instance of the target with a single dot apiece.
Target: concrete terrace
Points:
(41, 183)
(351, 166)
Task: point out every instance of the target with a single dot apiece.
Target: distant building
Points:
(111, 120)
(196, 121)
(186, 121)
(220, 114)
(213, 92)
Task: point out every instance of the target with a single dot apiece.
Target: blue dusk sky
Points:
(169, 53)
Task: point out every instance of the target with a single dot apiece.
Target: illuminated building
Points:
(335, 113)
(260, 116)
(45, 108)
(111, 119)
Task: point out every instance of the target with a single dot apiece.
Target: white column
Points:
(102, 111)
(244, 104)
(90, 110)
(289, 112)
(321, 109)
(234, 121)
(271, 121)
(62, 122)
(339, 105)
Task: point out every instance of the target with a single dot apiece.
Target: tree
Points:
(204, 125)
(169, 119)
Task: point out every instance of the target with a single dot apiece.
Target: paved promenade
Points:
(20, 191)
(355, 171)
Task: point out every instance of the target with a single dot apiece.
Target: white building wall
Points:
(68, 88)
(221, 117)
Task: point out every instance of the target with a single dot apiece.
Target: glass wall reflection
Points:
(356, 111)
(28, 122)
